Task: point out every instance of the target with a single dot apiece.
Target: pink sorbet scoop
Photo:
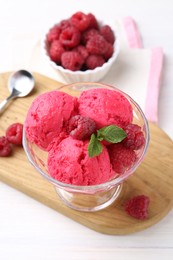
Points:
(69, 162)
(105, 107)
(47, 116)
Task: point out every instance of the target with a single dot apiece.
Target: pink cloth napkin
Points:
(156, 65)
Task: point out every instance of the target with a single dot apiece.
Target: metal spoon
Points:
(20, 84)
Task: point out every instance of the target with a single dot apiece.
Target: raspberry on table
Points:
(56, 50)
(53, 34)
(72, 60)
(70, 37)
(97, 45)
(80, 21)
(107, 33)
(137, 207)
(135, 138)
(81, 127)
(5, 147)
(121, 157)
(93, 61)
(14, 133)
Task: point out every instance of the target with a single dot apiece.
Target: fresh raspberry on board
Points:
(5, 147)
(107, 33)
(97, 45)
(14, 133)
(80, 21)
(94, 61)
(53, 34)
(72, 60)
(56, 50)
(70, 37)
(81, 127)
(135, 138)
(137, 207)
(121, 157)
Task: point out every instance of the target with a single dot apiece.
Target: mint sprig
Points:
(111, 134)
(94, 147)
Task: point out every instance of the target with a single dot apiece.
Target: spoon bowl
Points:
(22, 81)
(20, 84)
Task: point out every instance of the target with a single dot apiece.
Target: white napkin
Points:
(130, 72)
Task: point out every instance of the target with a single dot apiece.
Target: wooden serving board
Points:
(153, 178)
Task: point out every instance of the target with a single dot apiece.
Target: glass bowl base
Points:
(89, 202)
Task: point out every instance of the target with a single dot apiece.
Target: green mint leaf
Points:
(99, 137)
(94, 147)
(111, 133)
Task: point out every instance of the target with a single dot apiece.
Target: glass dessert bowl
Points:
(91, 196)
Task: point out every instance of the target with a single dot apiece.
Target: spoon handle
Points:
(5, 102)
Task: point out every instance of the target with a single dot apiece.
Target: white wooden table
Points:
(30, 230)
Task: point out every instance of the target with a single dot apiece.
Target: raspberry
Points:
(80, 21)
(92, 21)
(97, 45)
(81, 127)
(121, 157)
(70, 37)
(107, 33)
(94, 61)
(82, 50)
(5, 147)
(64, 24)
(135, 138)
(137, 207)
(14, 133)
(53, 34)
(109, 52)
(56, 51)
(72, 60)
(89, 34)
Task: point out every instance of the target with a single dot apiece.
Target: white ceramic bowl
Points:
(95, 75)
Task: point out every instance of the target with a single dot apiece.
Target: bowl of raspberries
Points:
(81, 48)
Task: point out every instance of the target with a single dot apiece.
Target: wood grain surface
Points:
(153, 178)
